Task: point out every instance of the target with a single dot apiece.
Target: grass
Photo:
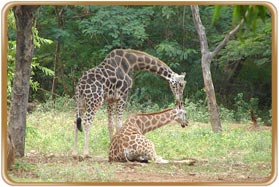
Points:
(235, 152)
(198, 140)
(61, 170)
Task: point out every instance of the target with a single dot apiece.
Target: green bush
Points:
(242, 108)
(148, 106)
(226, 114)
(196, 111)
(59, 104)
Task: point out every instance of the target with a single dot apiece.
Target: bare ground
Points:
(201, 171)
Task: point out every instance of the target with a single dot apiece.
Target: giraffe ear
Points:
(183, 74)
(179, 78)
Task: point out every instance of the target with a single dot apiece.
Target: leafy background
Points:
(87, 33)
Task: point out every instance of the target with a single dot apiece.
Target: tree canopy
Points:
(87, 33)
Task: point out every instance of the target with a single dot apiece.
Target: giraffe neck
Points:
(154, 121)
(132, 60)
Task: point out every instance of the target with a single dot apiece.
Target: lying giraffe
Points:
(130, 144)
(111, 82)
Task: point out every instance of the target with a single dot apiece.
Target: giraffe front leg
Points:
(110, 119)
(160, 160)
(153, 155)
(121, 104)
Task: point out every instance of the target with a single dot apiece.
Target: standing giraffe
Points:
(111, 82)
(130, 144)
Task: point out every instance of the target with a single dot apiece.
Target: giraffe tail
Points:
(78, 103)
(79, 124)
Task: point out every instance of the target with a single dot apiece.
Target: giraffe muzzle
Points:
(183, 125)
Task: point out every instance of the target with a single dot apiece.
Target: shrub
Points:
(196, 111)
(59, 104)
(242, 108)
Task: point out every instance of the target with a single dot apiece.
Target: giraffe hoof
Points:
(86, 156)
(74, 155)
(80, 158)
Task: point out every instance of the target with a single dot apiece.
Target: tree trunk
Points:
(55, 77)
(207, 57)
(62, 75)
(59, 16)
(208, 83)
(11, 151)
(73, 81)
(20, 91)
(214, 114)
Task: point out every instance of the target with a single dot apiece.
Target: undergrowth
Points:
(50, 131)
(196, 110)
(52, 125)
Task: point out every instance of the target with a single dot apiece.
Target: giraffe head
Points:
(177, 85)
(180, 116)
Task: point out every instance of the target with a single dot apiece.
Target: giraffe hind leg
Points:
(140, 151)
(131, 156)
(86, 139)
(89, 117)
(142, 159)
(75, 151)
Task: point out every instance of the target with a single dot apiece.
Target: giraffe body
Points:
(130, 144)
(111, 82)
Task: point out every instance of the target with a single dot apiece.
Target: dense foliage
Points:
(72, 39)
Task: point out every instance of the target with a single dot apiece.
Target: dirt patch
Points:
(173, 173)
(192, 174)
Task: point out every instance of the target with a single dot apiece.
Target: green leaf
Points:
(216, 14)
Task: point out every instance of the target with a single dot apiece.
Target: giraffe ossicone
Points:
(130, 144)
(111, 82)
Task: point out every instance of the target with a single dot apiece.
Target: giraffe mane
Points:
(154, 113)
(143, 53)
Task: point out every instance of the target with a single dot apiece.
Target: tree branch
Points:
(227, 37)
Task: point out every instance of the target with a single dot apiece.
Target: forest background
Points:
(72, 39)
